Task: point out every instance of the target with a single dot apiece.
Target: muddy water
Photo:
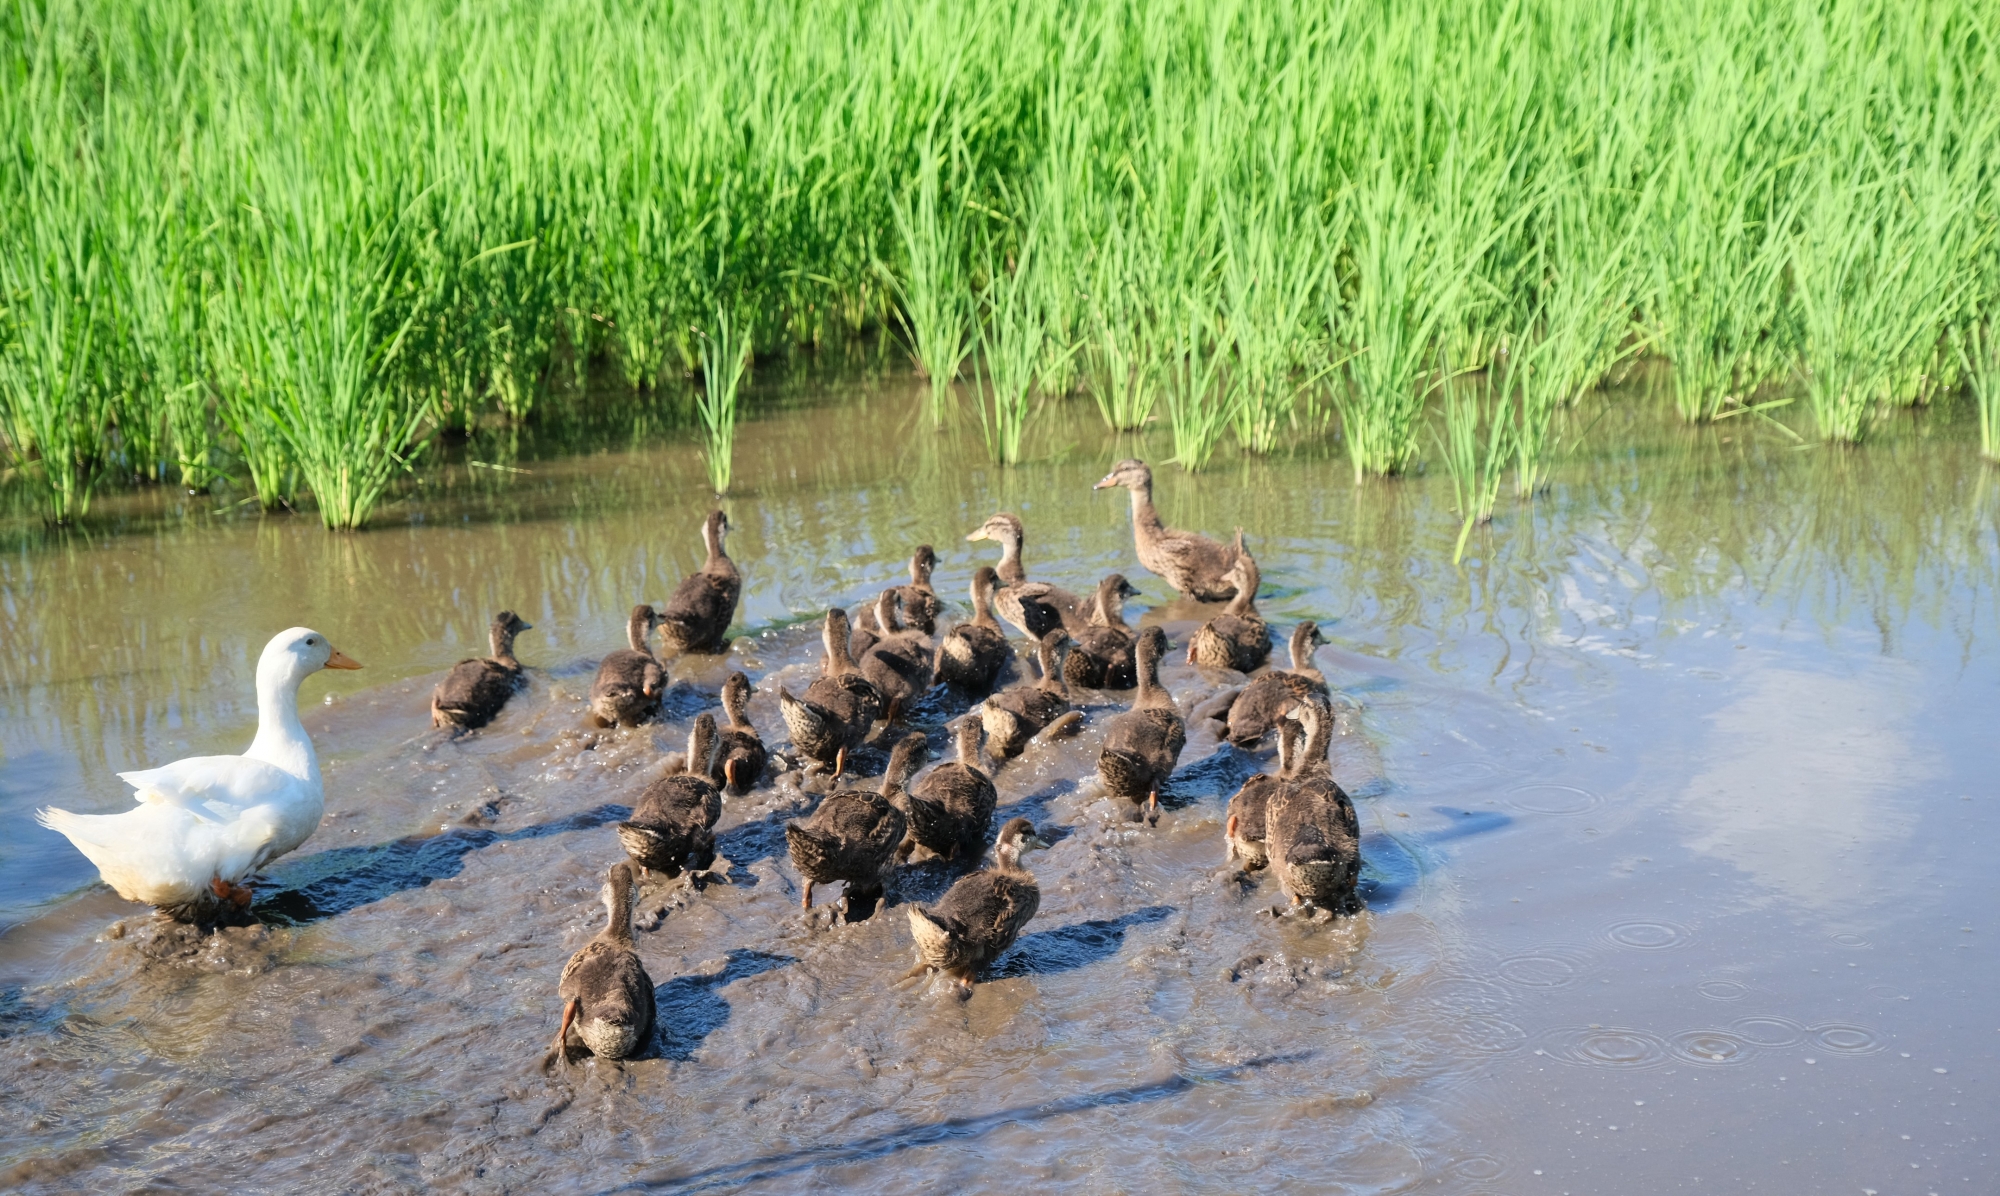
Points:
(1678, 811)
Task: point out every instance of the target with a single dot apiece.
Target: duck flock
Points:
(203, 825)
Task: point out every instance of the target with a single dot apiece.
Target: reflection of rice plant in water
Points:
(1978, 347)
(725, 351)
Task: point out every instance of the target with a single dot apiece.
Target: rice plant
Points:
(1474, 447)
(1010, 338)
(53, 403)
(935, 310)
(1978, 349)
(725, 351)
(1194, 379)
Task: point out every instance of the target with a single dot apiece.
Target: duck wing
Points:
(215, 788)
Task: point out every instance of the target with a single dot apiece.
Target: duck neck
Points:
(1318, 727)
(982, 603)
(281, 739)
(733, 705)
(1052, 675)
(711, 539)
(637, 628)
(968, 743)
(1302, 649)
(1110, 607)
(1010, 569)
(902, 762)
(1145, 519)
(839, 658)
(1007, 858)
(618, 907)
(502, 638)
(920, 571)
(1288, 746)
(1150, 693)
(701, 745)
(1245, 601)
(885, 613)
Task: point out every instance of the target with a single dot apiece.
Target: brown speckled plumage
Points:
(475, 691)
(1193, 564)
(1142, 746)
(696, 618)
(630, 681)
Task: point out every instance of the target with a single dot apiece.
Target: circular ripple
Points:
(1488, 1034)
(1553, 799)
(1605, 1046)
(1723, 990)
(1850, 939)
(1774, 1033)
(1711, 1047)
(1844, 1039)
(1544, 967)
(1886, 992)
(1648, 936)
(1478, 1168)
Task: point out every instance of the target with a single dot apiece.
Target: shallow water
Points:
(1677, 801)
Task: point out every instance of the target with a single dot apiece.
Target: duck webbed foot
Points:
(236, 895)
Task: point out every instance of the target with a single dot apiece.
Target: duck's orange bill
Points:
(340, 660)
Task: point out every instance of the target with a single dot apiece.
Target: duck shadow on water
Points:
(1078, 945)
(688, 1009)
(955, 1131)
(1391, 864)
(329, 883)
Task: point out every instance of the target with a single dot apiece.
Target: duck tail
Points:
(1124, 773)
(933, 937)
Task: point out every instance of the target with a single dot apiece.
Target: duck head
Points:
(1004, 528)
(1130, 473)
(294, 655)
(1016, 839)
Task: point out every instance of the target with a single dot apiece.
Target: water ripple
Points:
(1648, 935)
(1553, 799)
(1604, 1046)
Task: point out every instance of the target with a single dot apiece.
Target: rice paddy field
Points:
(272, 251)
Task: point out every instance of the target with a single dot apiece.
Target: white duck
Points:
(206, 822)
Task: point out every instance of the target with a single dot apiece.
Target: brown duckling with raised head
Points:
(899, 663)
(739, 751)
(838, 710)
(1311, 835)
(1142, 745)
(473, 693)
(1101, 658)
(607, 995)
(971, 655)
(1244, 832)
(855, 835)
(1238, 638)
(696, 618)
(1257, 708)
(673, 825)
(1193, 564)
(951, 806)
(1030, 708)
(979, 917)
(918, 601)
(630, 681)
(1036, 607)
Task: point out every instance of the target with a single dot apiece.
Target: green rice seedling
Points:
(1119, 349)
(1978, 348)
(933, 309)
(725, 351)
(1474, 445)
(53, 403)
(1010, 348)
(1271, 276)
(1194, 379)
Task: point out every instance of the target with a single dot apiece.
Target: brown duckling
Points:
(605, 990)
(1031, 708)
(838, 710)
(739, 751)
(1257, 708)
(971, 655)
(696, 618)
(1142, 745)
(1311, 835)
(854, 835)
(918, 601)
(630, 681)
(473, 693)
(1193, 564)
(951, 806)
(1036, 607)
(673, 825)
(1245, 830)
(979, 917)
(1102, 655)
(1238, 638)
(899, 663)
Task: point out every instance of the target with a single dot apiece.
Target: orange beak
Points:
(1103, 482)
(340, 660)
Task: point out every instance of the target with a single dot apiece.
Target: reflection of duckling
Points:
(1142, 745)
(1257, 708)
(696, 618)
(854, 835)
(899, 663)
(1036, 607)
(951, 806)
(981, 915)
(1311, 834)
(473, 693)
(1023, 711)
(838, 710)
(1102, 655)
(629, 681)
(606, 993)
(739, 753)
(1238, 638)
(1193, 564)
(1245, 829)
(673, 824)
(971, 655)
